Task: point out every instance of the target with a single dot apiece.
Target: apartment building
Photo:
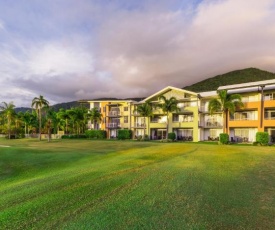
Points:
(116, 114)
(193, 122)
(183, 122)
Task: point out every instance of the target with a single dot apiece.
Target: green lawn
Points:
(83, 184)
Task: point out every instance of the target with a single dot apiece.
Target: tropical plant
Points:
(145, 110)
(64, 115)
(168, 105)
(95, 116)
(38, 103)
(29, 120)
(78, 117)
(225, 103)
(8, 112)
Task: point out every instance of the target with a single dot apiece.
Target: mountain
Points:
(56, 107)
(230, 78)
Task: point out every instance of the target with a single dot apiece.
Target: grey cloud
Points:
(122, 50)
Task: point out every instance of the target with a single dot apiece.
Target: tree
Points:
(168, 106)
(64, 115)
(39, 103)
(77, 116)
(145, 110)
(225, 103)
(95, 116)
(7, 110)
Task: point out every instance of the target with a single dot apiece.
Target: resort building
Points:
(116, 114)
(192, 121)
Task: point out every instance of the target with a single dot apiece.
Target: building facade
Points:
(192, 121)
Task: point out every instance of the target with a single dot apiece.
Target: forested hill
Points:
(234, 77)
(56, 107)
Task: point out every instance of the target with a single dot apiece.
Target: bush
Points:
(172, 136)
(262, 138)
(146, 137)
(224, 138)
(96, 134)
(139, 137)
(74, 136)
(124, 134)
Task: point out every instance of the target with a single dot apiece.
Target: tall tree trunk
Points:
(66, 126)
(25, 128)
(148, 130)
(40, 121)
(144, 127)
(167, 126)
(9, 128)
(225, 122)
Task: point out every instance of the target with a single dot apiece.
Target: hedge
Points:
(172, 136)
(73, 136)
(96, 134)
(124, 134)
(224, 138)
(262, 138)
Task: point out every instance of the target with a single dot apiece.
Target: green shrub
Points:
(262, 138)
(172, 136)
(139, 137)
(124, 134)
(224, 138)
(73, 136)
(146, 137)
(96, 134)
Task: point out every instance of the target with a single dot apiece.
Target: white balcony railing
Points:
(158, 121)
(135, 113)
(113, 125)
(183, 120)
(139, 125)
(114, 113)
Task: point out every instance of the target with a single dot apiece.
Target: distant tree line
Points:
(43, 119)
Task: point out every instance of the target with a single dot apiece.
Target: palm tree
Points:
(9, 113)
(145, 110)
(64, 115)
(95, 116)
(77, 117)
(225, 103)
(168, 106)
(39, 103)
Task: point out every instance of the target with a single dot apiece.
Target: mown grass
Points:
(81, 184)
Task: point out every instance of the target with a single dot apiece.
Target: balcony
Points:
(114, 114)
(244, 119)
(113, 125)
(269, 118)
(136, 113)
(139, 125)
(211, 124)
(183, 120)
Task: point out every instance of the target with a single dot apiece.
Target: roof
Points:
(107, 100)
(248, 85)
(166, 89)
(208, 94)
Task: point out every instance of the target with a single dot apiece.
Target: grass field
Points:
(83, 184)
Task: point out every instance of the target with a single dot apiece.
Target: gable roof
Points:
(166, 89)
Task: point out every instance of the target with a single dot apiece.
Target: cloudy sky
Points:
(67, 50)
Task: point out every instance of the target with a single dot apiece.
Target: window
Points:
(125, 108)
(126, 119)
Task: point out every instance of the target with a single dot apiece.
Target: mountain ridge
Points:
(231, 78)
